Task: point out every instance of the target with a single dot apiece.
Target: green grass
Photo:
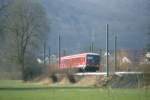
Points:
(18, 84)
(16, 90)
(74, 94)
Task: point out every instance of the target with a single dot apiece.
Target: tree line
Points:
(24, 26)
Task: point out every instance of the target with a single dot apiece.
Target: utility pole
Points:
(59, 49)
(107, 46)
(49, 55)
(100, 59)
(92, 42)
(92, 46)
(115, 52)
(44, 52)
(64, 52)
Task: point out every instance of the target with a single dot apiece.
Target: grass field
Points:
(16, 90)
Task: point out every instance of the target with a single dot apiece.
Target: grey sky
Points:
(77, 19)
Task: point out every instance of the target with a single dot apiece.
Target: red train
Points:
(88, 62)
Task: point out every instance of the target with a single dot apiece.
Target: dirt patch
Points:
(65, 81)
(46, 81)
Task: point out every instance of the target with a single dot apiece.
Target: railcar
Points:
(88, 62)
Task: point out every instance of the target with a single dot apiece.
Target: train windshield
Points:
(93, 59)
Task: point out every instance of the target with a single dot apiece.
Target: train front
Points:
(92, 62)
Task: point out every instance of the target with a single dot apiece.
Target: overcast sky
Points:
(78, 19)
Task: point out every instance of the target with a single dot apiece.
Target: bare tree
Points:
(27, 26)
(3, 5)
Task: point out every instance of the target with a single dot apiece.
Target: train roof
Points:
(78, 55)
(91, 53)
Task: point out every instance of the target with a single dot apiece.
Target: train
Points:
(84, 62)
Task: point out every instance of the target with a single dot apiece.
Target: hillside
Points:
(83, 21)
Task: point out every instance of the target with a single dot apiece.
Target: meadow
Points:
(17, 90)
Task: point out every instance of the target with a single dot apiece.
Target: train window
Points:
(90, 57)
(93, 59)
